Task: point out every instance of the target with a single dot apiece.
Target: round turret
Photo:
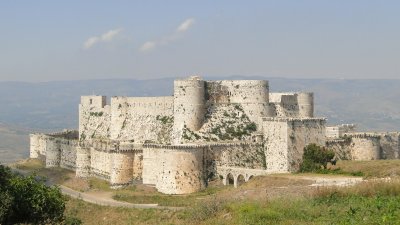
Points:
(121, 168)
(365, 148)
(189, 105)
(181, 171)
(306, 104)
(252, 95)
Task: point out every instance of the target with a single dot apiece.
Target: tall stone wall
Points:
(100, 163)
(366, 146)
(82, 162)
(141, 119)
(285, 139)
(151, 165)
(239, 155)
(276, 145)
(57, 149)
(94, 118)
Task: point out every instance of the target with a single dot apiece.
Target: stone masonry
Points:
(228, 129)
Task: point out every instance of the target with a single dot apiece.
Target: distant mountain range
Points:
(50, 106)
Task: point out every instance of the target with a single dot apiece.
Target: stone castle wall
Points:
(292, 104)
(57, 149)
(366, 146)
(285, 139)
(142, 119)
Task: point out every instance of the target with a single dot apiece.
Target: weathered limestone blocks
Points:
(365, 148)
(285, 139)
(189, 105)
(181, 171)
(121, 168)
(299, 104)
(82, 162)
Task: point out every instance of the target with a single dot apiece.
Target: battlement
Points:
(287, 119)
(362, 135)
(199, 146)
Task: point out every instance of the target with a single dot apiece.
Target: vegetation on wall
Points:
(223, 123)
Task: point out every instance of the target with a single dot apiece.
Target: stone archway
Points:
(250, 177)
(240, 180)
(230, 180)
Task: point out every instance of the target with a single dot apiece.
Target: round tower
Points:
(306, 104)
(189, 105)
(252, 95)
(121, 168)
(365, 148)
(181, 170)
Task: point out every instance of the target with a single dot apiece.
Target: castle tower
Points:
(121, 168)
(306, 104)
(181, 170)
(252, 95)
(189, 105)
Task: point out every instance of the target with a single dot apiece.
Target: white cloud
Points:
(185, 25)
(147, 46)
(106, 37)
(177, 34)
(90, 42)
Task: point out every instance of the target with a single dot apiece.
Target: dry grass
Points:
(99, 215)
(369, 188)
(375, 168)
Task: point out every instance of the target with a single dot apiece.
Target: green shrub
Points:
(28, 200)
(315, 157)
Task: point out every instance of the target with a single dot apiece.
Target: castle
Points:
(228, 129)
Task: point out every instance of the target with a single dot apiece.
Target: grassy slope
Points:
(374, 202)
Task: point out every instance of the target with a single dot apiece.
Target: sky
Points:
(102, 39)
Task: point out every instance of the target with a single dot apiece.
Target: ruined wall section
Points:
(284, 105)
(292, 104)
(366, 146)
(141, 119)
(56, 149)
(285, 139)
(94, 118)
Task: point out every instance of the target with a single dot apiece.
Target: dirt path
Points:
(99, 198)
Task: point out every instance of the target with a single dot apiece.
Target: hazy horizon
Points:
(74, 40)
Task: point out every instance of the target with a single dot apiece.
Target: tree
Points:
(315, 157)
(28, 200)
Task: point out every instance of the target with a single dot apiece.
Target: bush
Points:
(315, 158)
(28, 200)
